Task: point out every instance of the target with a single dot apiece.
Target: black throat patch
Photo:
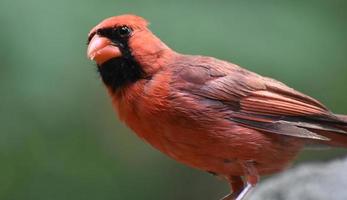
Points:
(119, 72)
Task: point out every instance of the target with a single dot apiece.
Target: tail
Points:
(342, 118)
(337, 139)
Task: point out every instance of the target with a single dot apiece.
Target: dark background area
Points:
(59, 137)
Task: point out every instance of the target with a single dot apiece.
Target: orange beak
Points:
(101, 49)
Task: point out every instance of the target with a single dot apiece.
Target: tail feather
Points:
(336, 139)
(342, 118)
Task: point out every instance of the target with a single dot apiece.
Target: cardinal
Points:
(204, 112)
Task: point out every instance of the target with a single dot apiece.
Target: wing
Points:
(255, 101)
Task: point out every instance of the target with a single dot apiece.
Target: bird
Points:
(204, 112)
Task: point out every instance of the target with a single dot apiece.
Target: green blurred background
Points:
(59, 137)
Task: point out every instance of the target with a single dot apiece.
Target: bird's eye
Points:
(124, 31)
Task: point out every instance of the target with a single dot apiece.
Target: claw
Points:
(241, 192)
(242, 196)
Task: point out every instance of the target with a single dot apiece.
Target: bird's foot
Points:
(240, 196)
(240, 191)
(229, 197)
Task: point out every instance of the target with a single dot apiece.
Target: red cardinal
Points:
(207, 113)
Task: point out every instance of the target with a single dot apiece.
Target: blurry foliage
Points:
(59, 137)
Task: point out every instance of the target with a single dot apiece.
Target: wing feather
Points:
(258, 102)
(268, 102)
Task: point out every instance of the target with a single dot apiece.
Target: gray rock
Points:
(326, 181)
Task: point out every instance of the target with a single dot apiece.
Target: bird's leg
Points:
(251, 177)
(251, 173)
(237, 185)
(239, 191)
(244, 193)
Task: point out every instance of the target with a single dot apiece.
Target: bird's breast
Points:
(194, 134)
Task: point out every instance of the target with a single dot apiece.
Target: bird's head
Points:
(125, 50)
